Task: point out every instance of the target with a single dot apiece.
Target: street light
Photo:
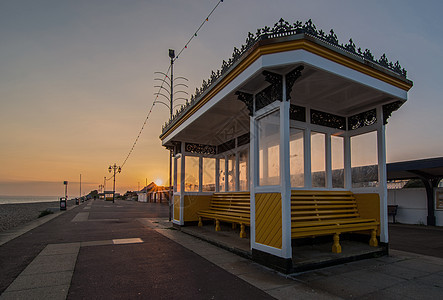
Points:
(116, 169)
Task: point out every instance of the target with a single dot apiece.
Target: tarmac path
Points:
(426, 240)
(115, 256)
(125, 250)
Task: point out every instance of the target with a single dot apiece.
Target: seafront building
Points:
(293, 120)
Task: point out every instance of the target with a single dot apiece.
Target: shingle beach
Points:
(13, 215)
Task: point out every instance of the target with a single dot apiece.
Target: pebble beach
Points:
(14, 215)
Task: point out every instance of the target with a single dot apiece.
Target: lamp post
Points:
(170, 106)
(171, 56)
(66, 189)
(116, 169)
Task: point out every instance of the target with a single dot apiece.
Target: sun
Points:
(158, 181)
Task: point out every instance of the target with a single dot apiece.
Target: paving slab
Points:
(81, 217)
(54, 293)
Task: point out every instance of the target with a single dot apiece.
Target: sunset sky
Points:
(77, 78)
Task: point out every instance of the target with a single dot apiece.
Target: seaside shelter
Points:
(287, 140)
(153, 193)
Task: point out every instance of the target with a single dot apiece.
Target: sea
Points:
(26, 199)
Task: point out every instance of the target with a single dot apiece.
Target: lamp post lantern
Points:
(118, 169)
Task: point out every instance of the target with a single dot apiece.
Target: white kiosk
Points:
(293, 115)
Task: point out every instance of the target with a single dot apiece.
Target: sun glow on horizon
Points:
(158, 182)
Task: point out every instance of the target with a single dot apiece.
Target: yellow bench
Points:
(316, 213)
(233, 207)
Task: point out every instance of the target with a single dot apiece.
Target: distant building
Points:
(153, 193)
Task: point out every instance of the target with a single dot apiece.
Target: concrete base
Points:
(283, 265)
(307, 254)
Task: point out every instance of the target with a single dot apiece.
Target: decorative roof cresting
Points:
(282, 29)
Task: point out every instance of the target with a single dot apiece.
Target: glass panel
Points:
(231, 172)
(243, 170)
(191, 173)
(296, 157)
(338, 163)
(318, 159)
(364, 160)
(221, 175)
(269, 149)
(208, 167)
(179, 174)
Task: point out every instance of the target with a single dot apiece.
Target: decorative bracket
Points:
(388, 109)
(291, 78)
(247, 99)
(272, 93)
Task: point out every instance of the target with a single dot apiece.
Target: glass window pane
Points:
(244, 170)
(338, 164)
(179, 174)
(318, 159)
(208, 184)
(231, 172)
(191, 173)
(221, 175)
(364, 160)
(296, 157)
(269, 149)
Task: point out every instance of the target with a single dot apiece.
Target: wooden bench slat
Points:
(338, 221)
(325, 210)
(296, 202)
(311, 216)
(228, 207)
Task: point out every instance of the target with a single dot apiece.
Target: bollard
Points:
(76, 201)
(63, 203)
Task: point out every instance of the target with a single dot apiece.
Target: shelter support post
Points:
(430, 183)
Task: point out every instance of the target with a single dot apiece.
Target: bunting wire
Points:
(163, 81)
(198, 29)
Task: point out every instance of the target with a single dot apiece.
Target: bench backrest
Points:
(309, 206)
(233, 201)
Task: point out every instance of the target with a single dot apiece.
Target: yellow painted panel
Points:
(194, 203)
(369, 207)
(177, 208)
(268, 219)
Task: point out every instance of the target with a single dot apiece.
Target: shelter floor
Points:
(304, 257)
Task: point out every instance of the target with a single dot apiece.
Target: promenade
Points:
(126, 250)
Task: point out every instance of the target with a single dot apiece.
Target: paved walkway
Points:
(128, 250)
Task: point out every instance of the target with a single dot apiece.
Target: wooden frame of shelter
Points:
(292, 110)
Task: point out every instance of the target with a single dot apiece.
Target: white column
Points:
(253, 174)
(217, 175)
(382, 176)
(328, 161)
(237, 170)
(175, 176)
(226, 174)
(307, 162)
(347, 152)
(285, 176)
(182, 184)
(200, 174)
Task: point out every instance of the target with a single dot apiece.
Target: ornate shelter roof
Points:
(285, 34)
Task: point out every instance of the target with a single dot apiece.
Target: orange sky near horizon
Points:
(77, 79)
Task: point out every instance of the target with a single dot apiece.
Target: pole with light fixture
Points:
(118, 169)
(171, 107)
